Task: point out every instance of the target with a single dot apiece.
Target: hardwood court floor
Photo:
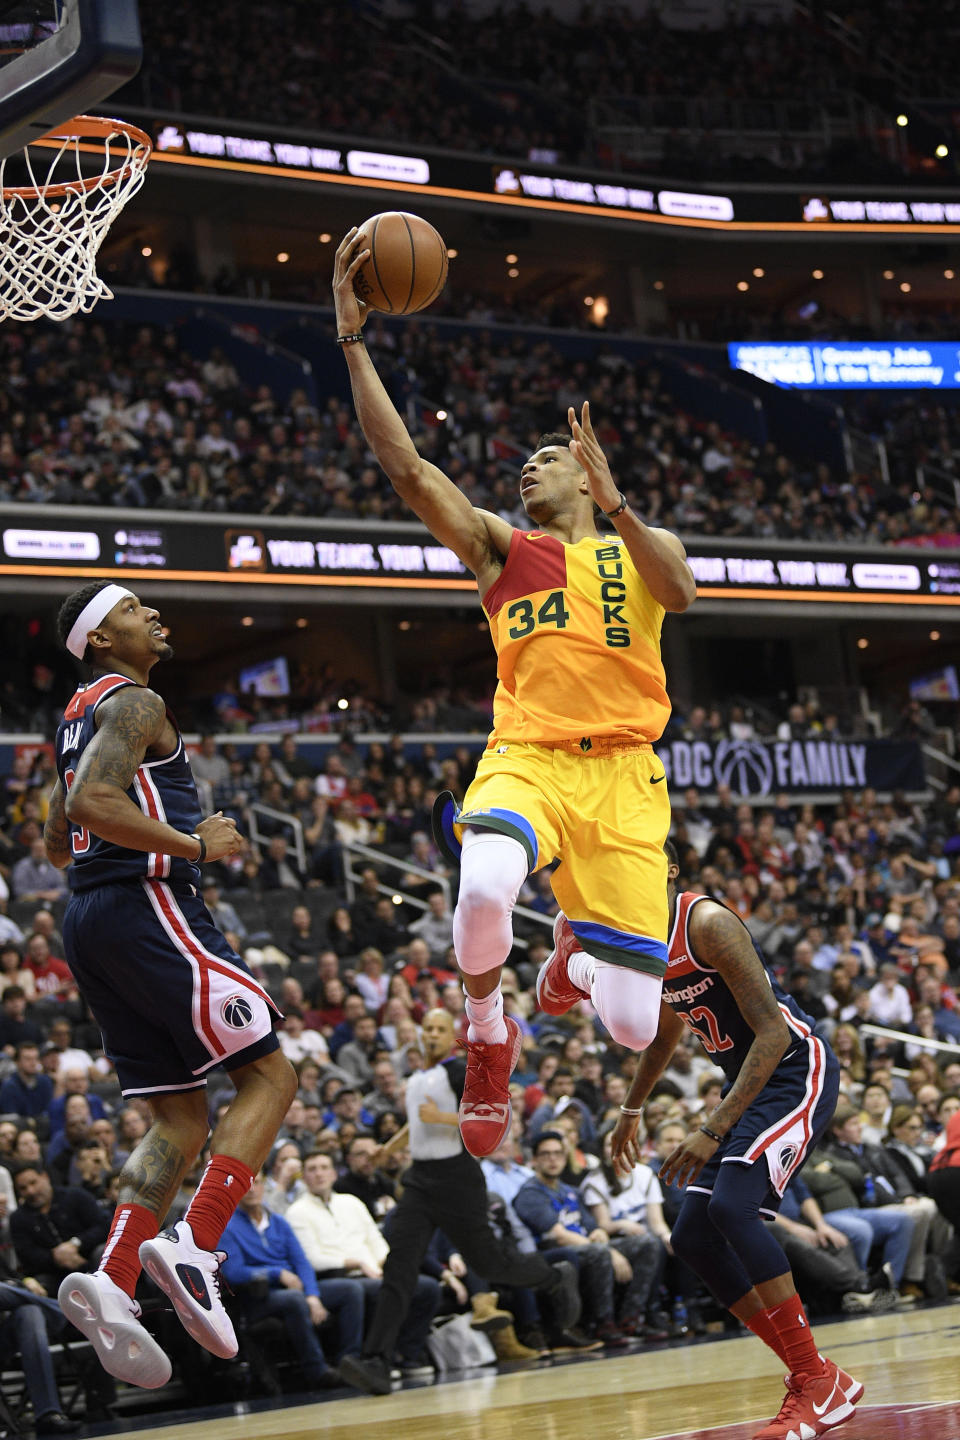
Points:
(723, 1390)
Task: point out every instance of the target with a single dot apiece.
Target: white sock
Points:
(485, 1016)
(581, 968)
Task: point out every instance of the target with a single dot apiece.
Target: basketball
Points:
(407, 267)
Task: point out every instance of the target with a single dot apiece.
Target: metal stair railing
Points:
(295, 846)
(378, 859)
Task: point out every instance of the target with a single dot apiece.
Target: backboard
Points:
(61, 58)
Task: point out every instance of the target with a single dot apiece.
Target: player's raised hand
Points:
(220, 835)
(624, 1144)
(586, 450)
(351, 311)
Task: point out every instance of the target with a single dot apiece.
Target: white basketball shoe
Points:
(110, 1320)
(190, 1278)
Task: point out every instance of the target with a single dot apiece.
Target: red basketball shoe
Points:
(812, 1405)
(556, 992)
(851, 1387)
(485, 1110)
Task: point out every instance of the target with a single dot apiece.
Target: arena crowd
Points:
(489, 69)
(856, 906)
(93, 413)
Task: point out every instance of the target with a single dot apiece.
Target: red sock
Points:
(789, 1336)
(222, 1186)
(132, 1224)
(766, 1331)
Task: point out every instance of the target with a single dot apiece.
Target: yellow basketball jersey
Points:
(577, 635)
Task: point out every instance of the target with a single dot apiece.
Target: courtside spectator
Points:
(270, 1275)
(55, 1229)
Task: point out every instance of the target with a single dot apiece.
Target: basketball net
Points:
(52, 228)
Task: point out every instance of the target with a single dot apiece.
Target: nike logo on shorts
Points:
(655, 779)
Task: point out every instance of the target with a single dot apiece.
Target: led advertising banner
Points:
(536, 186)
(852, 364)
(403, 557)
(170, 549)
(890, 577)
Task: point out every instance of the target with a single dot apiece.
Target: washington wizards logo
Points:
(745, 766)
(237, 1012)
(787, 1157)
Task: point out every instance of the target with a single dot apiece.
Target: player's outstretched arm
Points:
(130, 722)
(56, 830)
(723, 942)
(658, 555)
(625, 1149)
(481, 540)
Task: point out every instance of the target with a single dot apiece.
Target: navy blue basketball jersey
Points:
(162, 788)
(703, 1000)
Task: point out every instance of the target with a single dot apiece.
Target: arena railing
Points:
(865, 452)
(844, 33)
(380, 860)
(941, 482)
(295, 847)
(641, 127)
(949, 1047)
(943, 763)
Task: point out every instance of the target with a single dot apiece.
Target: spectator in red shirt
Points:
(327, 1013)
(366, 804)
(51, 976)
(332, 782)
(944, 1178)
(747, 848)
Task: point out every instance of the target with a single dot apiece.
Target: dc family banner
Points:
(767, 767)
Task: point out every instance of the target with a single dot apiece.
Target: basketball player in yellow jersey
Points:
(569, 769)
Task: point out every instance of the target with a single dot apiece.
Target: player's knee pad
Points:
(635, 1032)
(628, 1003)
(482, 899)
(493, 868)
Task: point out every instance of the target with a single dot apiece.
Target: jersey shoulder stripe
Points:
(89, 696)
(534, 562)
(681, 959)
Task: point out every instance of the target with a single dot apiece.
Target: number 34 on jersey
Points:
(577, 635)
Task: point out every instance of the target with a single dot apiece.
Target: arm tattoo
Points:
(132, 720)
(56, 829)
(152, 1175)
(724, 943)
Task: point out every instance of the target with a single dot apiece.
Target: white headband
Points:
(95, 611)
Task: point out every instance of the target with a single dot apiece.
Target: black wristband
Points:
(612, 514)
(711, 1134)
(203, 848)
(350, 339)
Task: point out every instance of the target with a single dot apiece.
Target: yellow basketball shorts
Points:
(605, 813)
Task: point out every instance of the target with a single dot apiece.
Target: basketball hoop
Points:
(52, 228)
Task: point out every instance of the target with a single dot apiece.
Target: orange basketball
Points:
(407, 267)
